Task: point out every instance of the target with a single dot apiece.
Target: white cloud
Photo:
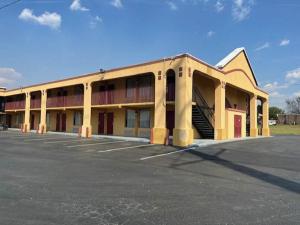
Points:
(117, 3)
(276, 94)
(264, 46)
(284, 42)
(52, 20)
(297, 94)
(293, 75)
(95, 21)
(241, 9)
(172, 5)
(219, 6)
(76, 6)
(210, 33)
(8, 76)
(272, 87)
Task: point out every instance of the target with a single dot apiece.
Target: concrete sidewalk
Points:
(208, 142)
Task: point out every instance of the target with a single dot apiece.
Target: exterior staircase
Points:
(202, 116)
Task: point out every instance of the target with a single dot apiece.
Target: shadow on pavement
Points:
(263, 176)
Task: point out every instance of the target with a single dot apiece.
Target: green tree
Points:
(274, 111)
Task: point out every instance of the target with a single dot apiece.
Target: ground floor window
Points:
(19, 119)
(77, 119)
(48, 119)
(130, 118)
(145, 118)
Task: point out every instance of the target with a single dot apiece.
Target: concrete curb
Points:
(205, 143)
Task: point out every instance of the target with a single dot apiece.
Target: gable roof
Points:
(231, 56)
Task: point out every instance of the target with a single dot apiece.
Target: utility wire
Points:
(9, 4)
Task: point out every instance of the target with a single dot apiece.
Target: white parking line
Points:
(101, 143)
(66, 141)
(45, 139)
(169, 153)
(118, 149)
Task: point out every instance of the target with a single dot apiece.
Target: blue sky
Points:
(43, 40)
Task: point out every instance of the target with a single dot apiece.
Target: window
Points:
(77, 119)
(130, 118)
(145, 118)
(48, 120)
(130, 87)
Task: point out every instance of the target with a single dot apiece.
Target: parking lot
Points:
(60, 179)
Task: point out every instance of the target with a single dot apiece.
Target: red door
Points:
(31, 122)
(8, 117)
(58, 122)
(110, 123)
(170, 121)
(63, 122)
(237, 126)
(101, 123)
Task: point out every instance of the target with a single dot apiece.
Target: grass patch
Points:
(285, 129)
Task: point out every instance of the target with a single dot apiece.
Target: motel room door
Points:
(237, 126)
(32, 122)
(170, 121)
(101, 123)
(110, 123)
(61, 120)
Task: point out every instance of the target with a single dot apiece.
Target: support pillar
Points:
(86, 130)
(43, 122)
(265, 111)
(253, 116)
(220, 119)
(183, 134)
(159, 131)
(26, 125)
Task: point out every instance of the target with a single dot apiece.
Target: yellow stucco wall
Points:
(236, 97)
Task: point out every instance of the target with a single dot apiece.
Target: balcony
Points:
(121, 96)
(35, 103)
(15, 105)
(65, 101)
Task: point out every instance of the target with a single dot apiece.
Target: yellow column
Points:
(253, 116)
(26, 126)
(265, 111)
(220, 119)
(43, 123)
(87, 111)
(183, 134)
(159, 130)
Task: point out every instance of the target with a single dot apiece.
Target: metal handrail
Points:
(200, 101)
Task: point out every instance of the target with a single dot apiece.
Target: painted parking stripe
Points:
(169, 153)
(119, 149)
(101, 143)
(45, 139)
(66, 141)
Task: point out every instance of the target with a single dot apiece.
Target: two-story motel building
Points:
(179, 96)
